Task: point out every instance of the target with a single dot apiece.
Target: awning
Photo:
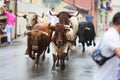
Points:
(82, 11)
(70, 7)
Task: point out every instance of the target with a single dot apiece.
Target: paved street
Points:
(15, 65)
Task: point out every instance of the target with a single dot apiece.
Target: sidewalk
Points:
(19, 40)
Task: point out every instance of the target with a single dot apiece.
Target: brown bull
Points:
(65, 18)
(60, 45)
(38, 40)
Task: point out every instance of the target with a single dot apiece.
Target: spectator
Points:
(11, 18)
(89, 17)
(100, 26)
(52, 19)
(107, 27)
(110, 44)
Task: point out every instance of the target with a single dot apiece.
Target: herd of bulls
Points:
(61, 36)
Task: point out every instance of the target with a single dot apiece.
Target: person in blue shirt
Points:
(89, 17)
(89, 20)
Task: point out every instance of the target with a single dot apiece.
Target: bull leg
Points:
(33, 54)
(37, 60)
(61, 63)
(74, 42)
(30, 54)
(26, 52)
(54, 61)
(43, 57)
(57, 64)
(90, 42)
(83, 44)
(66, 56)
(62, 60)
(28, 44)
(48, 49)
(94, 43)
(87, 42)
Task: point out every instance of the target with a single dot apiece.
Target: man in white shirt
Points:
(110, 44)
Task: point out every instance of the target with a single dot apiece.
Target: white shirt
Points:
(52, 19)
(110, 41)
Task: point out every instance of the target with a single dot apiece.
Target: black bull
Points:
(86, 34)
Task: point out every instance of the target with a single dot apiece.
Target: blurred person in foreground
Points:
(11, 19)
(110, 44)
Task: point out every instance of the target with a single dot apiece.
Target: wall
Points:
(116, 8)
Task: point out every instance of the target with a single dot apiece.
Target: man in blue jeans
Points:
(11, 19)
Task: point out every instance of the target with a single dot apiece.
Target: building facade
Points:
(104, 9)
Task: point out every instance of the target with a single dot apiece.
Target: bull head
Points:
(35, 38)
(27, 33)
(59, 36)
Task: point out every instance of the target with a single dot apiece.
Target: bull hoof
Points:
(66, 58)
(53, 69)
(83, 51)
(63, 67)
(73, 48)
(43, 58)
(81, 55)
(37, 65)
(26, 53)
(33, 58)
(88, 45)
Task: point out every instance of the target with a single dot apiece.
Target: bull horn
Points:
(45, 33)
(26, 33)
(43, 15)
(75, 15)
(50, 25)
(52, 14)
(21, 15)
(67, 26)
